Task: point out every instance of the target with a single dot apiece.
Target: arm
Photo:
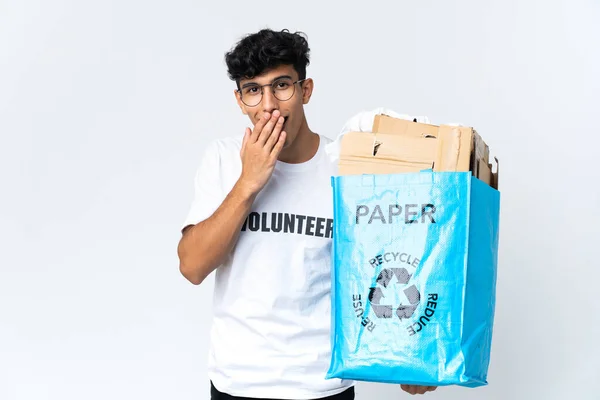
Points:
(204, 246)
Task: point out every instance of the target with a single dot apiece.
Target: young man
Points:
(262, 219)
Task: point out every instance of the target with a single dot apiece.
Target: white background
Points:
(105, 107)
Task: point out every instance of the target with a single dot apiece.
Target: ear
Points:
(240, 103)
(307, 89)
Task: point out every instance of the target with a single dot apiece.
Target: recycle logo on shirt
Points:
(409, 297)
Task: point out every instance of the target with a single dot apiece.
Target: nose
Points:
(269, 101)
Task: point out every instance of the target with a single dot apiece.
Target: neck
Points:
(303, 148)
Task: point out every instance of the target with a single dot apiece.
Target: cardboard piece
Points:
(455, 145)
(485, 172)
(495, 175)
(386, 124)
(382, 153)
(397, 145)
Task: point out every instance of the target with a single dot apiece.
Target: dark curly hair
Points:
(266, 49)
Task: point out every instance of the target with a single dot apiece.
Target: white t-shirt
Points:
(270, 335)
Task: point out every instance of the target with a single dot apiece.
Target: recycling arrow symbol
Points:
(403, 311)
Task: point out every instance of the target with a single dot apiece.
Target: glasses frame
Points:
(262, 91)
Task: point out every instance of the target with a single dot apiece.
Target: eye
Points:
(251, 90)
(282, 85)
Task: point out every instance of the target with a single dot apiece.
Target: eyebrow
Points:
(256, 84)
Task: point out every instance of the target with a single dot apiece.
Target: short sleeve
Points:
(208, 191)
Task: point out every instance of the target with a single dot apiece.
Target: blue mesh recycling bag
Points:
(413, 278)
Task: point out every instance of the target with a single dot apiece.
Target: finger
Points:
(268, 128)
(274, 137)
(279, 145)
(258, 127)
(247, 134)
(425, 389)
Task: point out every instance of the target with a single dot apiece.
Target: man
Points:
(262, 219)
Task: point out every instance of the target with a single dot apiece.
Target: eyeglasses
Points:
(283, 90)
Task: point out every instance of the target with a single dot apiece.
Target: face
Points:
(292, 110)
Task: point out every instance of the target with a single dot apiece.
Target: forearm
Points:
(205, 245)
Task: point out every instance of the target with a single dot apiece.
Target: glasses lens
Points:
(283, 89)
(251, 95)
